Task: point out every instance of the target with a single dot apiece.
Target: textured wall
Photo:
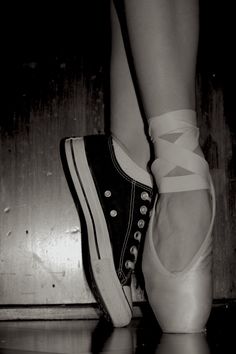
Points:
(53, 83)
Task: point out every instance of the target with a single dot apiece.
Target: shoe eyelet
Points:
(143, 210)
(129, 265)
(137, 235)
(145, 196)
(107, 194)
(141, 224)
(113, 213)
(133, 250)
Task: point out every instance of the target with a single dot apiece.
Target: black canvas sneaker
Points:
(113, 197)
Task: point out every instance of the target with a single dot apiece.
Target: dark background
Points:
(43, 36)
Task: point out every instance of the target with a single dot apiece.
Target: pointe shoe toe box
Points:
(181, 301)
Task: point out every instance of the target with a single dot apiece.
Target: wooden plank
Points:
(79, 312)
(76, 312)
(217, 142)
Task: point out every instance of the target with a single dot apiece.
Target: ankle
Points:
(180, 157)
(171, 125)
(137, 149)
(130, 166)
(179, 171)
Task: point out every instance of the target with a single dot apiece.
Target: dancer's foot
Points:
(178, 244)
(181, 222)
(113, 198)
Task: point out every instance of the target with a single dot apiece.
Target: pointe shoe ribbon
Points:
(180, 153)
(182, 300)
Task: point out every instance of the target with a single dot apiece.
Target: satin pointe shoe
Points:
(181, 301)
(113, 198)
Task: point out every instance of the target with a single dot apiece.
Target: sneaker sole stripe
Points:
(85, 197)
(86, 182)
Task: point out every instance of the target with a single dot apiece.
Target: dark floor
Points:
(141, 336)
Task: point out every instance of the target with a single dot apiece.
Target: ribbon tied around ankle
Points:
(178, 153)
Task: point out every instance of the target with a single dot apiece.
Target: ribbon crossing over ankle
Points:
(178, 153)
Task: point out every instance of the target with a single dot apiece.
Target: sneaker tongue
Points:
(130, 167)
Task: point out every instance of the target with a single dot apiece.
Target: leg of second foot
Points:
(127, 125)
(163, 38)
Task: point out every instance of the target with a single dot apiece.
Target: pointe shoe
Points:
(182, 300)
(113, 198)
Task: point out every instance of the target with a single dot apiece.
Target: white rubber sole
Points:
(113, 298)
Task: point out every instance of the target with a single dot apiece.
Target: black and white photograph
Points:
(118, 177)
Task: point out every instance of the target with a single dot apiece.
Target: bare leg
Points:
(125, 117)
(163, 36)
